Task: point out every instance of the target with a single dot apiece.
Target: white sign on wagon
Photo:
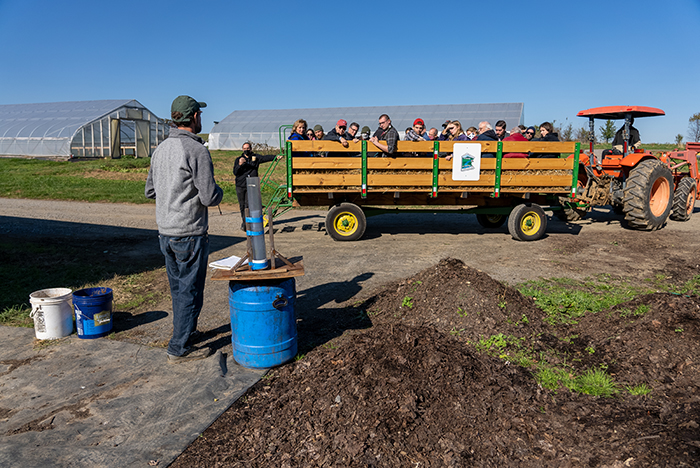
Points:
(466, 162)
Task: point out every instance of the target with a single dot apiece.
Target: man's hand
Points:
(344, 142)
(374, 140)
(241, 161)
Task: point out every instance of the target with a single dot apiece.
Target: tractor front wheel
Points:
(491, 221)
(684, 199)
(570, 211)
(345, 222)
(648, 195)
(527, 222)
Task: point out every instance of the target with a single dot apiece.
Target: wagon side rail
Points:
(419, 167)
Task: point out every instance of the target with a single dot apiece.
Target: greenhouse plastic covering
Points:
(262, 126)
(66, 128)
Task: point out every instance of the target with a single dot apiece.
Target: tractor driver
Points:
(619, 141)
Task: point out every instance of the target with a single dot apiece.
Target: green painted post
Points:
(436, 167)
(364, 168)
(499, 159)
(574, 172)
(288, 146)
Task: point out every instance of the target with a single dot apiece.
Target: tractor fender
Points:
(582, 158)
(633, 159)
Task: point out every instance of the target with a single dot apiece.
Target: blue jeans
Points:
(186, 263)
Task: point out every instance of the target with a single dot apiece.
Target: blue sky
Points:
(555, 57)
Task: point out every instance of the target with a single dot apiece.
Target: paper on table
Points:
(226, 263)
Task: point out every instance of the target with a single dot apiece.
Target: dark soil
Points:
(408, 387)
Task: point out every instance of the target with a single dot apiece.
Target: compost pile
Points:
(413, 388)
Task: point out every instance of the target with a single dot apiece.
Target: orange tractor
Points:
(647, 188)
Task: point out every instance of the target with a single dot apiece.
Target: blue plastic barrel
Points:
(263, 325)
(93, 312)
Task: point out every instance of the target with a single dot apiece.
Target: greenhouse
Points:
(63, 130)
(263, 126)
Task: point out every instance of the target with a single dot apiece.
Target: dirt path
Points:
(402, 392)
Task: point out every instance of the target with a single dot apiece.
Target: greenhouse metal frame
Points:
(262, 126)
(80, 129)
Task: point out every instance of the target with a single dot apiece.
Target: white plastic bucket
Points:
(52, 312)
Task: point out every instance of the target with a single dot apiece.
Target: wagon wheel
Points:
(491, 221)
(684, 199)
(527, 222)
(345, 222)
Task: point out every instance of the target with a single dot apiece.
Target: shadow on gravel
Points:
(40, 254)
(446, 223)
(123, 321)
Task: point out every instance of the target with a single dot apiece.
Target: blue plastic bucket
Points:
(93, 312)
(263, 325)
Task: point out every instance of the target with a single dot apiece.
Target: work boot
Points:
(195, 337)
(192, 354)
(242, 226)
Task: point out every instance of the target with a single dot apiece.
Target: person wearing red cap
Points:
(338, 133)
(417, 132)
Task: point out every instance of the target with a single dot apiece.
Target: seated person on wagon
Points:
(547, 134)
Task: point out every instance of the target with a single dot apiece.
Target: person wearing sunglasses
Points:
(529, 133)
(337, 134)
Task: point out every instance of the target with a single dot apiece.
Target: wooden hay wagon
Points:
(357, 181)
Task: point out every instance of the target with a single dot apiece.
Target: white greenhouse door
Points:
(115, 140)
(143, 138)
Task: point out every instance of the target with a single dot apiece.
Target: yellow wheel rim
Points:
(530, 223)
(345, 223)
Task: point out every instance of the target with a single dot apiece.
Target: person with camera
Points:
(417, 132)
(246, 165)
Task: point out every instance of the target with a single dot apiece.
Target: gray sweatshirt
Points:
(181, 180)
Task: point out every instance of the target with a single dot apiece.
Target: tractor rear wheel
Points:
(527, 222)
(491, 221)
(684, 199)
(648, 195)
(345, 222)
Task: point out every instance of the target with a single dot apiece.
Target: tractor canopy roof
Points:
(619, 112)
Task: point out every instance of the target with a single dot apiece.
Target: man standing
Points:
(387, 133)
(246, 165)
(181, 179)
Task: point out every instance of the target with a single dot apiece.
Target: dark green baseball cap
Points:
(187, 106)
